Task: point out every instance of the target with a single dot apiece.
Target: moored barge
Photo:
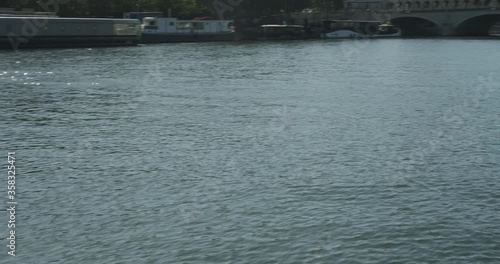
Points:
(43, 31)
(336, 29)
(169, 29)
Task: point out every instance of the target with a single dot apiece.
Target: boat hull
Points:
(346, 34)
(65, 41)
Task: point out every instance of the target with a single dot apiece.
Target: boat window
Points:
(171, 24)
(182, 25)
(190, 25)
(124, 29)
(28, 29)
(151, 27)
(198, 25)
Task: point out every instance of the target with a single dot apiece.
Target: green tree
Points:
(74, 8)
(179, 8)
(328, 5)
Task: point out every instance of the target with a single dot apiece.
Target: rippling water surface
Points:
(377, 151)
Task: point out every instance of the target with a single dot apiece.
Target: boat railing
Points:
(10, 12)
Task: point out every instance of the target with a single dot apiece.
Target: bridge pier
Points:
(447, 29)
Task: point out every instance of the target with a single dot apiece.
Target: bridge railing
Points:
(429, 5)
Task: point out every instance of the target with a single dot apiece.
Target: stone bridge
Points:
(440, 17)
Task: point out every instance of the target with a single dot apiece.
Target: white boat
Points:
(338, 29)
(168, 29)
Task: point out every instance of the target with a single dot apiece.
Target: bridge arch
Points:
(479, 25)
(416, 26)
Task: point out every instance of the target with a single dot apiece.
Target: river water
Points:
(356, 151)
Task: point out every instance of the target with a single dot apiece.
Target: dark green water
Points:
(376, 151)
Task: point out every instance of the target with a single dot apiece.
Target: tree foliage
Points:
(179, 8)
(328, 5)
